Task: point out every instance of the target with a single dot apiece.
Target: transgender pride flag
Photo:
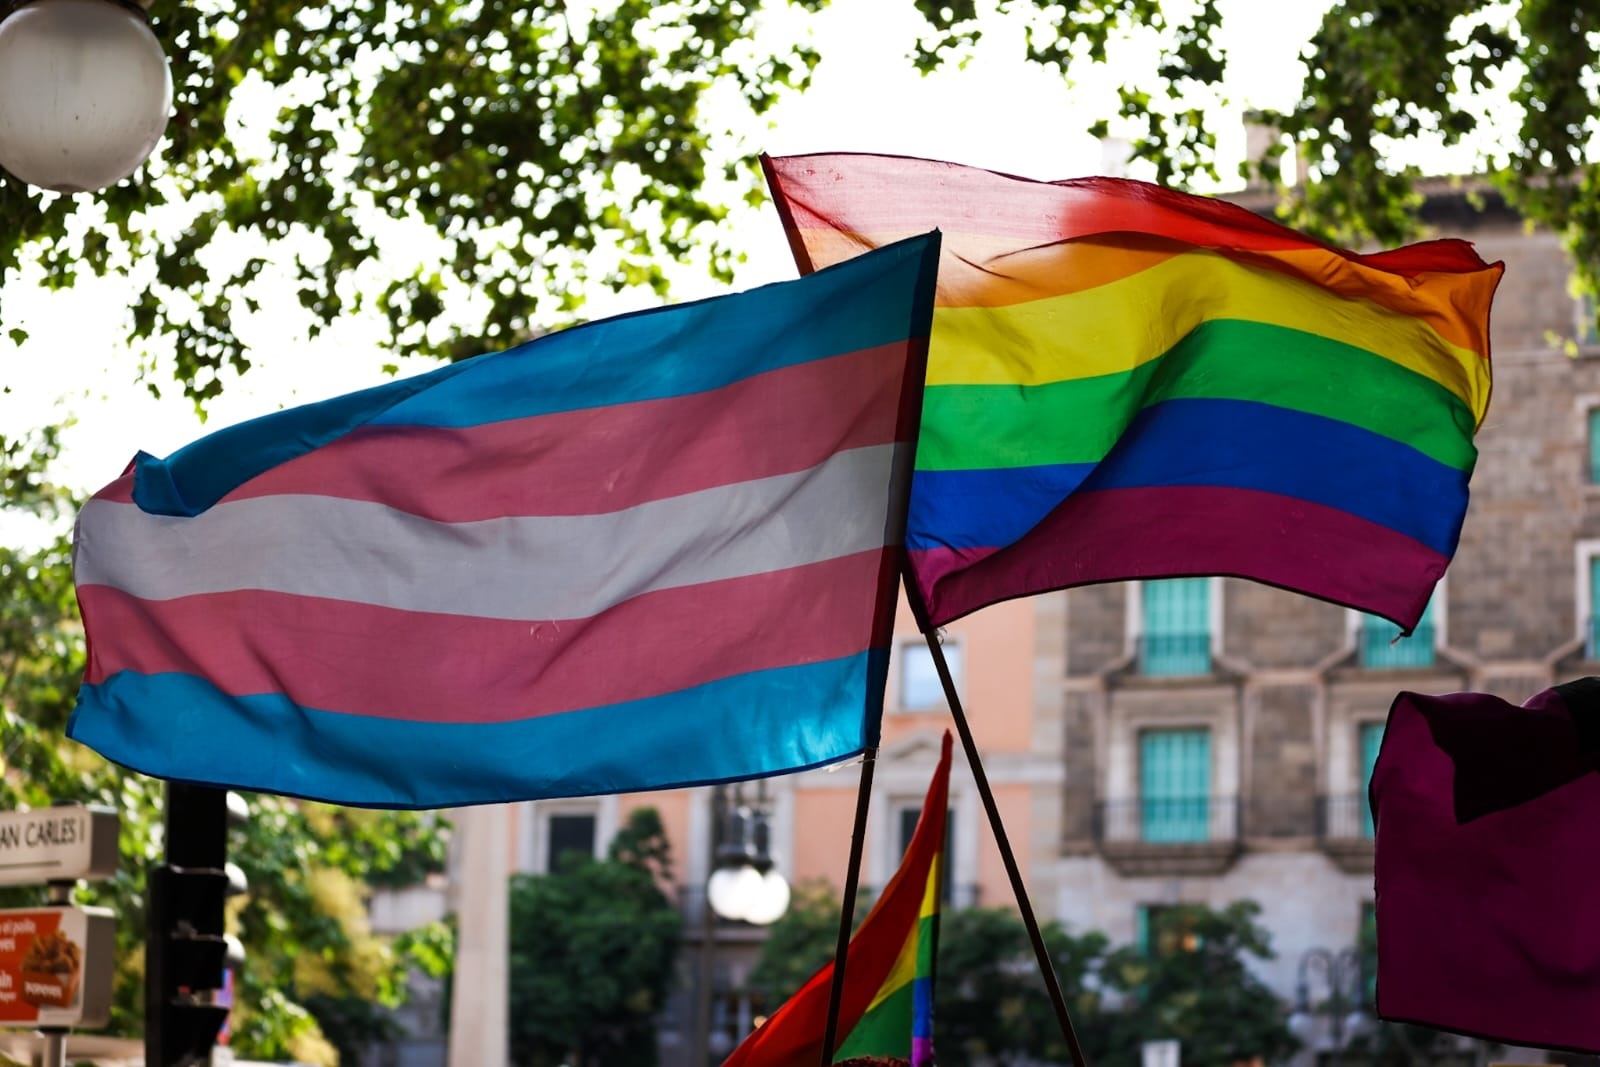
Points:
(651, 551)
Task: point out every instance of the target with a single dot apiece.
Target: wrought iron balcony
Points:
(1346, 817)
(1168, 835)
(1345, 830)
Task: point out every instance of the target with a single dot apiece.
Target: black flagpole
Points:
(1047, 968)
(830, 1036)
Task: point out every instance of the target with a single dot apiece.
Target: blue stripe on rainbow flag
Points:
(773, 721)
(922, 1007)
(1207, 442)
(593, 365)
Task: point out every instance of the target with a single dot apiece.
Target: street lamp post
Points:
(1343, 973)
(85, 91)
(745, 885)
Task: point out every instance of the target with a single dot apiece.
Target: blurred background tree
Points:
(533, 150)
(1191, 983)
(313, 968)
(592, 951)
(1381, 76)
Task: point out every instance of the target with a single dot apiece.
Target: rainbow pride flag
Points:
(654, 550)
(1128, 382)
(887, 1010)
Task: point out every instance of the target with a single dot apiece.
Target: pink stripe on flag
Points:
(598, 460)
(336, 655)
(1175, 531)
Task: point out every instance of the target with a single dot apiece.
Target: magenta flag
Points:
(1488, 820)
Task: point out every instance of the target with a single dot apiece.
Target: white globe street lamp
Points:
(745, 885)
(85, 92)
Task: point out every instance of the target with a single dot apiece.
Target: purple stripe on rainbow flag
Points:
(570, 568)
(1118, 534)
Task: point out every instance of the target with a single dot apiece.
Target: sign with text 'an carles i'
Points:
(57, 845)
(56, 966)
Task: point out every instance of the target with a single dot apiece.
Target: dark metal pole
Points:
(1047, 969)
(830, 1035)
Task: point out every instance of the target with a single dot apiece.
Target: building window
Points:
(909, 815)
(1371, 737)
(568, 834)
(920, 689)
(1594, 445)
(1591, 631)
(1176, 623)
(1175, 786)
(1380, 649)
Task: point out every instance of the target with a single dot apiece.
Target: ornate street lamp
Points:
(745, 885)
(85, 91)
(1344, 975)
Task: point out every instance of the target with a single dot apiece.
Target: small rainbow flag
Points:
(887, 1010)
(1128, 382)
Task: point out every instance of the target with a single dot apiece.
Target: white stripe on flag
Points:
(546, 567)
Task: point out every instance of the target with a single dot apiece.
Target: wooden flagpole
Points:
(1047, 969)
(830, 1035)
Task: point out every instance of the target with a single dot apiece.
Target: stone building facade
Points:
(1280, 709)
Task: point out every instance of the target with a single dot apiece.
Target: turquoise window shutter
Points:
(1176, 638)
(1594, 446)
(1380, 650)
(1175, 785)
(1592, 631)
(1371, 742)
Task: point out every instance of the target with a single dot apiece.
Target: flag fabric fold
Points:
(1486, 861)
(887, 1009)
(649, 551)
(1129, 382)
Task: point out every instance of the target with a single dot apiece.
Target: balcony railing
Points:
(1174, 654)
(1591, 638)
(1380, 650)
(1167, 820)
(1344, 818)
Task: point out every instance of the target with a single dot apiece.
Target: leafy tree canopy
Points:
(592, 948)
(1382, 76)
(311, 956)
(469, 168)
(1195, 986)
(538, 149)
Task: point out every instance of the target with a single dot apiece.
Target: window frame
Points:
(1133, 622)
(907, 647)
(536, 837)
(1585, 552)
(1208, 809)
(1357, 622)
(1586, 333)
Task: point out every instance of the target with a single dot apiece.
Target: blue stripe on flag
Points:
(647, 355)
(756, 724)
(1237, 444)
(922, 1007)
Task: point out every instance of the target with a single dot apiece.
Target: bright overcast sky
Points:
(998, 111)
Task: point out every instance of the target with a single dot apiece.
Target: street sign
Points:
(57, 845)
(56, 966)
